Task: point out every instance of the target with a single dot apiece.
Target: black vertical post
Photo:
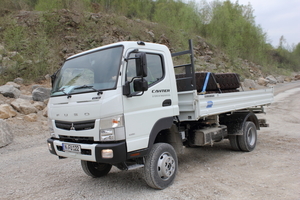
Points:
(192, 64)
(188, 81)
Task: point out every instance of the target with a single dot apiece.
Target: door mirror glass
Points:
(140, 85)
(141, 64)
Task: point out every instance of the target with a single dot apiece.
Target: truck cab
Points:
(108, 104)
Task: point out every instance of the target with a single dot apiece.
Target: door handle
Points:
(167, 102)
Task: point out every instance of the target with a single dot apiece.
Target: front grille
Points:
(76, 139)
(77, 126)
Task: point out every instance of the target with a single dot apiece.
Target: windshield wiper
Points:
(63, 91)
(89, 87)
(85, 86)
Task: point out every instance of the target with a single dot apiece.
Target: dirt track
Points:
(271, 171)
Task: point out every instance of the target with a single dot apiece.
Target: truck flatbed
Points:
(193, 106)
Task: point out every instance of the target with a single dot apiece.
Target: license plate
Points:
(71, 148)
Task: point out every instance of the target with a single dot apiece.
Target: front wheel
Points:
(95, 169)
(161, 166)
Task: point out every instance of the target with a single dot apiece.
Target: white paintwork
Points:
(82, 107)
(142, 112)
(91, 147)
(193, 106)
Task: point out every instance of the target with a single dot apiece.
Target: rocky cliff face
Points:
(52, 37)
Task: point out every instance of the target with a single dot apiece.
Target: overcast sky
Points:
(277, 18)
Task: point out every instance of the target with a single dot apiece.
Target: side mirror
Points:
(141, 64)
(126, 89)
(53, 77)
(140, 85)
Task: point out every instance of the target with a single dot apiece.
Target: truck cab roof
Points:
(127, 44)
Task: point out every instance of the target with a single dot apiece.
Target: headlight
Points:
(50, 125)
(107, 134)
(111, 122)
(109, 126)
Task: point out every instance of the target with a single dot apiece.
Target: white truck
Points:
(122, 105)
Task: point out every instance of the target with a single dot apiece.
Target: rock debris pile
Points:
(17, 100)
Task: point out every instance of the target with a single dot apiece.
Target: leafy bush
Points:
(15, 37)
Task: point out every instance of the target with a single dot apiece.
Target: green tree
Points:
(232, 27)
(296, 57)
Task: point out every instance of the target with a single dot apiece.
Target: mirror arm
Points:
(139, 94)
(133, 51)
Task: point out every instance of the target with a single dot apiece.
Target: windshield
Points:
(91, 72)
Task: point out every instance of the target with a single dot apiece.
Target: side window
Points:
(154, 67)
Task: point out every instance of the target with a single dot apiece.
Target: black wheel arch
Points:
(235, 122)
(160, 126)
(253, 118)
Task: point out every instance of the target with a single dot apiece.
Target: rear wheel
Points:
(95, 169)
(247, 141)
(234, 142)
(161, 166)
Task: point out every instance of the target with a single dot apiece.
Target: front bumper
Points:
(90, 152)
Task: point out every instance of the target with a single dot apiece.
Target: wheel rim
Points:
(166, 166)
(251, 136)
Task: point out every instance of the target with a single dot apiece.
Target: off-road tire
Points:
(95, 169)
(247, 141)
(160, 166)
(234, 142)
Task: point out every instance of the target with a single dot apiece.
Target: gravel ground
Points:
(271, 171)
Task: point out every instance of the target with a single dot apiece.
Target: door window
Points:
(154, 67)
